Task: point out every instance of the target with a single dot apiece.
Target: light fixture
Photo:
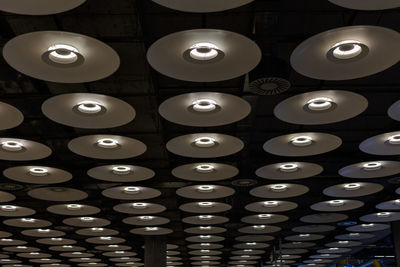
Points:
(264, 216)
(352, 186)
(205, 251)
(97, 229)
(258, 227)
(205, 236)
(336, 203)
(367, 225)
(107, 143)
(288, 167)
(205, 188)
(28, 220)
(205, 244)
(74, 207)
(150, 229)
(397, 202)
(205, 217)
(320, 104)
(301, 141)
(205, 168)
(204, 105)
(131, 190)
(139, 205)
(63, 54)
(12, 146)
(344, 242)
(354, 234)
(347, 49)
(372, 166)
(87, 219)
(271, 204)
(105, 238)
(383, 214)
(146, 218)
(394, 139)
(43, 230)
(204, 142)
(121, 170)
(203, 51)
(56, 239)
(251, 244)
(205, 204)
(8, 208)
(279, 187)
(204, 228)
(37, 171)
(89, 107)
(304, 235)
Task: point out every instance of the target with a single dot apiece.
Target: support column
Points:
(396, 240)
(155, 251)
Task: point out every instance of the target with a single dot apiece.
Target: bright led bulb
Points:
(151, 229)
(204, 105)
(97, 229)
(44, 230)
(288, 167)
(87, 219)
(270, 204)
(204, 142)
(37, 171)
(367, 225)
(105, 238)
(28, 220)
(279, 187)
(336, 203)
(205, 236)
(205, 204)
(372, 166)
(258, 227)
(304, 235)
(139, 205)
(353, 186)
(347, 49)
(397, 202)
(8, 208)
(205, 188)
(320, 103)
(383, 214)
(89, 107)
(74, 207)
(394, 139)
(205, 217)
(203, 51)
(204, 168)
(264, 216)
(131, 190)
(204, 228)
(121, 170)
(63, 54)
(12, 146)
(301, 141)
(107, 143)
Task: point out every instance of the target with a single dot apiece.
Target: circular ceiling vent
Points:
(269, 86)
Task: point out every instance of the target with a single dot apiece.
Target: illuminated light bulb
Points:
(205, 244)
(105, 238)
(354, 234)
(87, 219)
(146, 218)
(251, 244)
(89, 107)
(372, 166)
(205, 236)
(397, 202)
(28, 220)
(279, 187)
(131, 190)
(347, 49)
(37, 171)
(204, 142)
(205, 251)
(353, 186)
(204, 228)
(270, 204)
(44, 230)
(139, 205)
(204, 168)
(394, 139)
(6, 239)
(205, 217)
(204, 105)
(63, 54)
(205, 204)
(301, 141)
(151, 229)
(121, 170)
(383, 214)
(12, 146)
(203, 51)
(74, 207)
(264, 216)
(304, 235)
(97, 229)
(343, 242)
(258, 227)
(336, 203)
(288, 167)
(320, 103)
(120, 252)
(108, 143)
(8, 208)
(56, 239)
(205, 188)
(69, 246)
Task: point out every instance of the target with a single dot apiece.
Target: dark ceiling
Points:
(130, 27)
